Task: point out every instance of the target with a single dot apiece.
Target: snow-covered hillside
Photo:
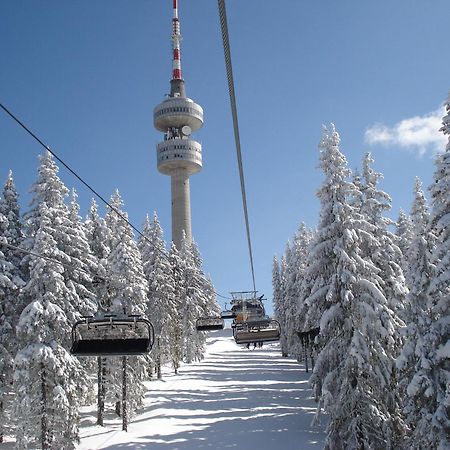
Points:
(235, 398)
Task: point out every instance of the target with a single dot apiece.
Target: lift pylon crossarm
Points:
(209, 324)
(112, 335)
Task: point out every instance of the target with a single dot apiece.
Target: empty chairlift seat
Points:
(251, 332)
(112, 335)
(210, 324)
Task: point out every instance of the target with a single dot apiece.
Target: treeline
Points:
(375, 306)
(56, 268)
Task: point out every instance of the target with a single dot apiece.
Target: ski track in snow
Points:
(233, 399)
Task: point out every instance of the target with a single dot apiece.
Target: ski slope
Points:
(233, 399)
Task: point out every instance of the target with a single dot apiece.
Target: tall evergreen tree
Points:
(382, 250)
(296, 271)
(429, 388)
(160, 304)
(10, 284)
(277, 290)
(48, 380)
(200, 301)
(71, 249)
(404, 234)
(176, 325)
(99, 239)
(418, 278)
(354, 365)
(53, 305)
(128, 295)
(9, 207)
(282, 310)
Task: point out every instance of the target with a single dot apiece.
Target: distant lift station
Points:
(178, 155)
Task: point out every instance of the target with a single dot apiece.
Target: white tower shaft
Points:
(181, 207)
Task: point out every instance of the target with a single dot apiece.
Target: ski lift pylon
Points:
(112, 335)
(209, 324)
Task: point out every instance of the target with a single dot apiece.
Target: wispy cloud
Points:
(418, 133)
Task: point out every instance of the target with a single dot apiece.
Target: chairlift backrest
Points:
(112, 335)
(257, 331)
(210, 324)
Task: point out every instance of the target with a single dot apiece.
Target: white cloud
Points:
(419, 133)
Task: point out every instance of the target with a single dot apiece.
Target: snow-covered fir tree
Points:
(9, 207)
(99, 239)
(44, 329)
(127, 292)
(429, 388)
(199, 301)
(296, 262)
(161, 302)
(10, 284)
(48, 380)
(83, 264)
(404, 233)
(382, 250)
(354, 366)
(280, 302)
(278, 294)
(71, 250)
(176, 324)
(418, 277)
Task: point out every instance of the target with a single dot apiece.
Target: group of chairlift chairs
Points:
(131, 335)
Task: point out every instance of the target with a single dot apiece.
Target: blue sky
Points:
(85, 76)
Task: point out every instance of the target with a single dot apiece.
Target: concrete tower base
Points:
(181, 206)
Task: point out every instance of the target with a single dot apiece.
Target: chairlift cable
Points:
(231, 91)
(86, 184)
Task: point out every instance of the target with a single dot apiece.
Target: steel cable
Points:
(231, 91)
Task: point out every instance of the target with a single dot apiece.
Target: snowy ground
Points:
(234, 399)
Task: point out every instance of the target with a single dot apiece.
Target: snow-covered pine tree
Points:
(50, 295)
(430, 385)
(83, 264)
(404, 233)
(9, 207)
(190, 309)
(48, 380)
(71, 245)
(279, 300)
(282, 312)
(277, 293)
(99, 238)
(382, 250)
(296, 260)
(418, 278)
(10, 284)
(128, 295)
(353, 369)
(160, 304)
(176, 324)
(200, 302)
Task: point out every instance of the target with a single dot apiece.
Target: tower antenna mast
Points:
(176, 43)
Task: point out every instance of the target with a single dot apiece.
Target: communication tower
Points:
(178, 155)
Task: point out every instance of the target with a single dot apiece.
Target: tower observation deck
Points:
(178, 155)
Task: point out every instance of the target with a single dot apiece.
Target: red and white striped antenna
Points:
(176, 41)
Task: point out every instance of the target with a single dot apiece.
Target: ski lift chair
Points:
(228, 314)
(209, 324)
(257, 331)
(112, 335)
